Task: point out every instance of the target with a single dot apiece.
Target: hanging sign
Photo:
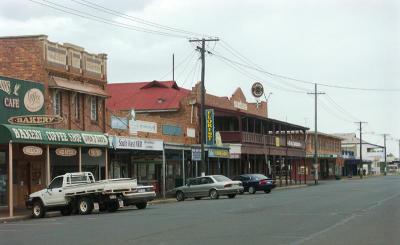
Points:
(210, 134)
(94, 152)
(66, 152)
(218, 153)
(35, 120)
(32, 150)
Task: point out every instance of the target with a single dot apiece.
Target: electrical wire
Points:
(113, 12)
(251, 65)
(88, 16)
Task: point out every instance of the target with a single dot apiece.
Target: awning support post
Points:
(47, 165)
(163, 173)
(80, 159)
(106, 163)
(183, 167)
(10, 180)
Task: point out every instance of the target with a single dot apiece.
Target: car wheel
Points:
(180, 196)
(197, 198)
(66, 211)
(214, 194)
(252, 190)
(267, 191)
(231, 195)
(38, 210)
(141, 205)
(85, 206)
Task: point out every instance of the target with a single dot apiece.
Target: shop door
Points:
(22, 182)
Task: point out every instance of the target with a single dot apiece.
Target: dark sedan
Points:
(256, 182)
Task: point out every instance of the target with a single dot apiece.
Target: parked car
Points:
(256, 182)
(212, 186)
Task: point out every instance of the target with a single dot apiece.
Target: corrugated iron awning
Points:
(77, 86)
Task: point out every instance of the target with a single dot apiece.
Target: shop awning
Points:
(50, 136)
(77, 86)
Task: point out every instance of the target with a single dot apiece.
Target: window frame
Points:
(94, 112)
(57, 98)
(77, 104)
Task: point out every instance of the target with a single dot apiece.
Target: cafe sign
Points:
(210, 133)
(66, 152)
(50, 136)
(20, 97)
(35, 120)
(32, 151)
(94, 152)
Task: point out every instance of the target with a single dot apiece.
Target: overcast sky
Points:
(347, 43)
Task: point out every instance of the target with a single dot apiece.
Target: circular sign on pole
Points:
(257, 89)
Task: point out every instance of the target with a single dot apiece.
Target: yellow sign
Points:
(277, 141)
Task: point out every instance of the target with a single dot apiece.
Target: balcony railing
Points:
(253, 138)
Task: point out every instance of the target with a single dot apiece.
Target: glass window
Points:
(77, 102)
(56, 183)
(221, 178)
(206, 180)
(93, 108)
(57, 102)
(3, 179)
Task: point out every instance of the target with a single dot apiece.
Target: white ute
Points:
(80, 193)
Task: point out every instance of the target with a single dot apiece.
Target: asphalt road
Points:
(336, 212)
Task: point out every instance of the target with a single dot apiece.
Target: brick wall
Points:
(23, 58)
(179, 118)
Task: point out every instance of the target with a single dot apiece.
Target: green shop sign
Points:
(49, 136)
(218, 153)
(20, 98)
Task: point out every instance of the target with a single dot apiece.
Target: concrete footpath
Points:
(26, 214)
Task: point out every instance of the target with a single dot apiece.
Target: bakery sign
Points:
(21, 98)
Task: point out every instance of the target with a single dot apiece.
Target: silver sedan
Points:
(211, 186)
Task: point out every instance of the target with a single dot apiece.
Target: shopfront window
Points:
(63, 160)
(93, 160)
(174, 175)
(3, 179)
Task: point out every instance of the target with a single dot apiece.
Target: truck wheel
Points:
(112, 206)
(66, 211)
(141, 205)
(38, 210)
(85, 206)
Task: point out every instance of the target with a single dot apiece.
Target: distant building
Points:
(372, 155)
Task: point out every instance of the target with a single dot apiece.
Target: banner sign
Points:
(20, 97)
(41, 135)
(218, 153)
(142, 126)
(210, 133)
(136, 143)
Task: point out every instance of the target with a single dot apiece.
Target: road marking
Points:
(344, 221)
(7, 230)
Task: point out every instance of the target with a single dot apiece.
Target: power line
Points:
(89, 16)
(261, 70)
(101, 8)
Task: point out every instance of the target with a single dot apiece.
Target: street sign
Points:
(196, 154)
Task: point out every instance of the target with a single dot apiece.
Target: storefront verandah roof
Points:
(50, 136)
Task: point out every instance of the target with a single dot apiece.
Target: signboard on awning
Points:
(50, 136)
(135, 143)
(218, 153)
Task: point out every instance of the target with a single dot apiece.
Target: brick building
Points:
(251, 142)
(330, 160)
(52, 115)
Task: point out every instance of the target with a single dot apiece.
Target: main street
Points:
(335, 212)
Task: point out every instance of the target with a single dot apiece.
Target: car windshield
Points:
(259, 177)
(221, 178)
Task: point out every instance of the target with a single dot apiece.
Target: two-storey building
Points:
(52, 115)
(247, 141)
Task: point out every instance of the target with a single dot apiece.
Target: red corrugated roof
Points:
(141, 96)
